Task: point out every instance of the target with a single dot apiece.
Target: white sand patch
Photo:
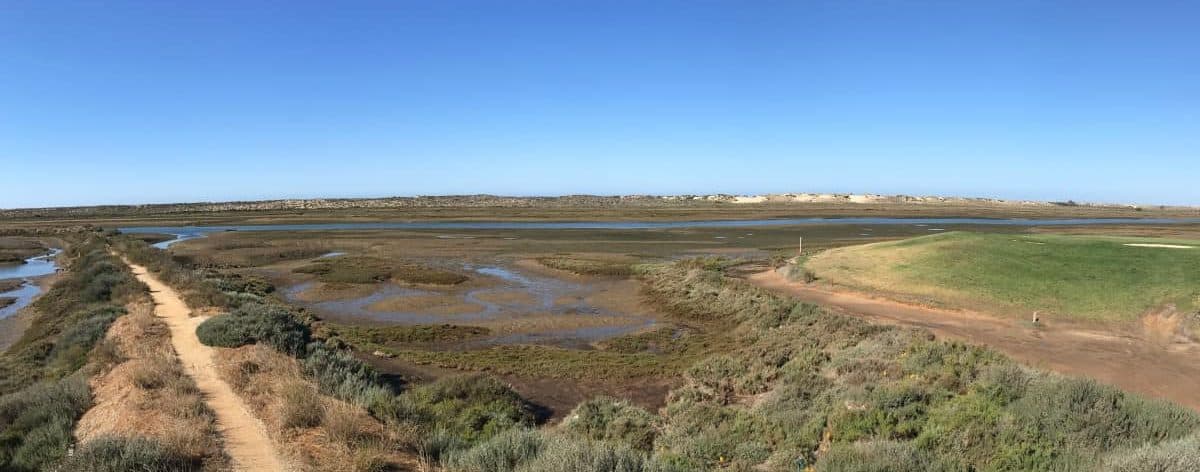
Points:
(750, 199)
(1168, 246)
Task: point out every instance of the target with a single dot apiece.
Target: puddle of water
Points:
(331, 254)
(33, 267)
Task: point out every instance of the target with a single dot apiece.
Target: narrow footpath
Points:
(244, 436)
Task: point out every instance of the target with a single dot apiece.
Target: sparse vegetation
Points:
(367, 337)
(119, 454)
(44, 389)
(366, 270)
(619, 267)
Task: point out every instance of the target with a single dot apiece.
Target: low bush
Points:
(471, 408)
(609, 419)
(121, 454)
(876, 456)
(589, 266)
(300, 406)
(1172, 456)
(253, 323)
(535, 451)
(36, 423)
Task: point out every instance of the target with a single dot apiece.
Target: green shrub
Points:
(564, 455)
(504, 452)
(535, 451)
(121, 454)
(340, 374)
(609, 419)
(1181, 455)
(253, 323)
(36, 423)
(875, 456)
(471, 407)
(71, 349)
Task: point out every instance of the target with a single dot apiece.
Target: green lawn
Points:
(1091, 277)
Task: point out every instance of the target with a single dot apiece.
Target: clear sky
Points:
(132, 102)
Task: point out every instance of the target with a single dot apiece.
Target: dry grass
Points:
(314, 431)
(145, 393)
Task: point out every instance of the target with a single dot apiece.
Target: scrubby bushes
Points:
(534, 451)
(470, 408)
(875, 456)
(339, 374)
(120, 454)
(45, 391)
(253, 323)
(609, 419)
(812, 387)
(36, 423)
(1178, 455)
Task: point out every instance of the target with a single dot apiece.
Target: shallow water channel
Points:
(32, 268)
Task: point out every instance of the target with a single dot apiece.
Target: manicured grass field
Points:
(1089, 277)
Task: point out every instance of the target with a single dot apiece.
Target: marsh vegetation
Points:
(766, 383)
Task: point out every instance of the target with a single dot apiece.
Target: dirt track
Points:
(1168, 370)
(245, 439)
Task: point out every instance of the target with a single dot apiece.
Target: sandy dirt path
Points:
(1169, 371)
(245, 438)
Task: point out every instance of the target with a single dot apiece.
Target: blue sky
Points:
(131, 102)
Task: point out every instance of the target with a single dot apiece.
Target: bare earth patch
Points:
(508, 297)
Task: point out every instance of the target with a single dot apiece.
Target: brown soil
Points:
(1133, 359)
(514, 297)
(245, 438)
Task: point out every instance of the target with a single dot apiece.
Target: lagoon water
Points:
(183, 233)
(33, 267)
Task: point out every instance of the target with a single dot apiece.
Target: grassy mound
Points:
(1085, 277)
(368, 270)
(369, 336)
(589, 265)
